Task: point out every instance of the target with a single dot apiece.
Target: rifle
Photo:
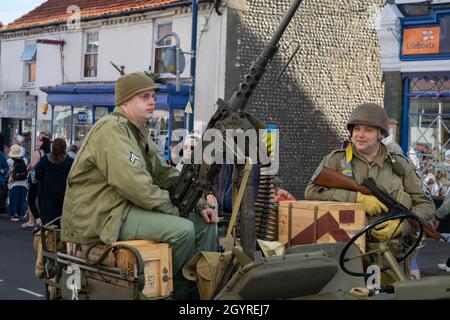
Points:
(331, 179)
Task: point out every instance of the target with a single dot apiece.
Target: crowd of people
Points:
(32, 187)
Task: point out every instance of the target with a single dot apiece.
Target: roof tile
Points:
(54, 11)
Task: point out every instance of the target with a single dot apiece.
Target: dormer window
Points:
(29, 58)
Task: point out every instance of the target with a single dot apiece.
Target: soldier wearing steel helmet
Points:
(366, 156)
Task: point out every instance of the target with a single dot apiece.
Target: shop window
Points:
(429, 133)
(159, 126)
(445, 34)
(61, 122)
(82, 122)
(100, 112)
(160, 50)
(29, 58)
(90, 54)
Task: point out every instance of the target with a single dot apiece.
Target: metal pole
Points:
(439, 133)
(177, 84)
(405, 117)
(193, 60)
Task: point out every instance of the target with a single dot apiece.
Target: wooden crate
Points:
(320, 222)
(157, 259)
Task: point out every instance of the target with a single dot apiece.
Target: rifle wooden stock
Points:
(429, 231)
(331, 179)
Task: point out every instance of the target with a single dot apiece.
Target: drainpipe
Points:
(193, 61)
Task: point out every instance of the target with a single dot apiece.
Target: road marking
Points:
(30, 292)
(1, 280)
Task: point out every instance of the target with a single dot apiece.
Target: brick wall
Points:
(336, 68)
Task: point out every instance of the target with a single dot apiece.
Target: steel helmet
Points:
(370, 114)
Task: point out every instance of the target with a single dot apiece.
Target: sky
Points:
(11, 10)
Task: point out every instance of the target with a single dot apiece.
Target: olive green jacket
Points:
(108, 175)
(406, 189)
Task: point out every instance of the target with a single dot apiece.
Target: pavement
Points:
(431, 254)
(17, 280)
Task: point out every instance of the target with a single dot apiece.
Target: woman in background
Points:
(51, 172)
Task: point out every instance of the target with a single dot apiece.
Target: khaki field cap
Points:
(370, 114)
(129, 85)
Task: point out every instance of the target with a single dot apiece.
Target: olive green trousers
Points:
(186, 237)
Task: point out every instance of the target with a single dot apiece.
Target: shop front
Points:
(76, 107)
(427, 111)
(18, 116)
(425, 47)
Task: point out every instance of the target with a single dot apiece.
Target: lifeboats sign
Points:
(421, 41)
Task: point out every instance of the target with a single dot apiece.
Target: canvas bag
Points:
(207, 269)
(39, 269)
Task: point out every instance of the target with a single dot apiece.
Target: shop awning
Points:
(80, 94)
(103, 95)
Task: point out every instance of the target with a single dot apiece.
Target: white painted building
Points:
(70, 56)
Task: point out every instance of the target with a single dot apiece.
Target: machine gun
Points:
(197, 179)
(331, 179)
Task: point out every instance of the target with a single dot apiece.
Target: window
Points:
(100, 112)
(161, 48)
(445, 35)
(429, 132)
(82, 122)
(90, 54)
(61, 122)
(29, 58)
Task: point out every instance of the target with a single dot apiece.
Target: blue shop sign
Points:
(82, 117)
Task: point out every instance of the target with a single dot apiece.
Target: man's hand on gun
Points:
(372, 206)
(387, 229)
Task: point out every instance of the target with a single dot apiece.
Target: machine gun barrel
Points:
(240, 98)
(195, 179)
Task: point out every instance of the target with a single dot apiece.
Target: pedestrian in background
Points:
(73, 149)
(51, 172)
(4, 170)
(42, 148)
(17, 183)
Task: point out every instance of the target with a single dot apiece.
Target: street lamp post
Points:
(194, 56)
(177, 55)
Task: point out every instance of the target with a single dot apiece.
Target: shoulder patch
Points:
(134, 157)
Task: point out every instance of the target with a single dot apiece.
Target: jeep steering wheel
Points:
(403, 216)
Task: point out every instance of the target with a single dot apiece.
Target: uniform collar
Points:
(379, 158)
(144, 131)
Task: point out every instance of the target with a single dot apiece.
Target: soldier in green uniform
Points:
(117, 187)
(366, 156)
